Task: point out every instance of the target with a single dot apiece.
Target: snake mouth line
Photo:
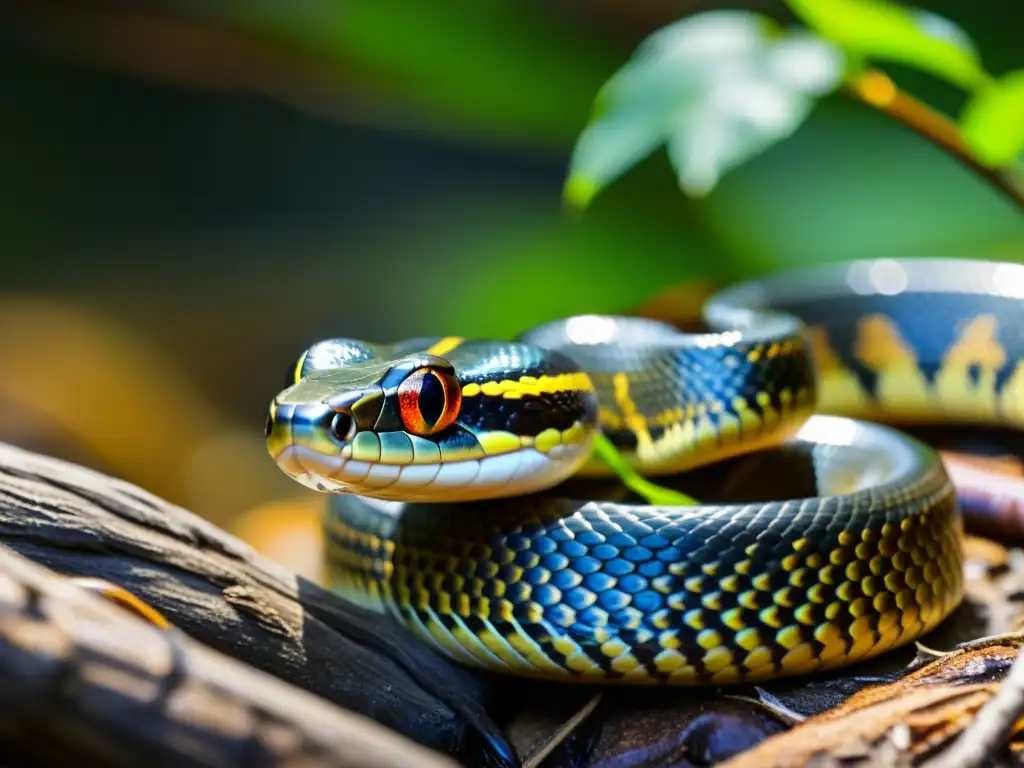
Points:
(302, 445)
(518, 472)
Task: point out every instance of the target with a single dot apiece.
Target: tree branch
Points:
(877, 90)
(225, 595)
(84, 682)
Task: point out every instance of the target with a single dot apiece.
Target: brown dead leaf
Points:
(897, 723)
(985, 555)
(914, 722)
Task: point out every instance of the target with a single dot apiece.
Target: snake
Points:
(465, 500)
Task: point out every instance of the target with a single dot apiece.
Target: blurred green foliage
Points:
(716, 88)
(720, 87)
(510, 80)
(502, 68)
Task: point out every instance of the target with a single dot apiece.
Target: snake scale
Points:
(466, 503)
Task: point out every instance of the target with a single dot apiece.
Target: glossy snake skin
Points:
(465, 502)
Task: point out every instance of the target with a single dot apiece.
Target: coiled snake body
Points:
(468, 505)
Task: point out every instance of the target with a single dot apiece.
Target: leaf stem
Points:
(877, 90)
(651, 492)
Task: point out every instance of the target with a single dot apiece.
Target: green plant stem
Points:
(651, 492)
(877, 90)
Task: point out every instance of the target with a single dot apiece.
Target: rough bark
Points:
(224, 595)
(84, 682)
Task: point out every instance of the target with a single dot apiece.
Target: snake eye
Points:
(429, 401)
(343, 426)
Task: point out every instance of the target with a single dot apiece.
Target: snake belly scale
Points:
(464, 500)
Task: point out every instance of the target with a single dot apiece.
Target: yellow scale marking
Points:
(530, 386)
(445, 345)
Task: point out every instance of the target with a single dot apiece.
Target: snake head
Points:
(400, 424)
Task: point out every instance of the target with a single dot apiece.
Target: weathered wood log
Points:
(223, 594)
(84, 682)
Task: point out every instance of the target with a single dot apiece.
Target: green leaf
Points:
(607, 149)
(649, 491)
(992, 124)
(878, 29)
(717, 88)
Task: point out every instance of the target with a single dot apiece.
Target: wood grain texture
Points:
(223, 594)
(85, 682)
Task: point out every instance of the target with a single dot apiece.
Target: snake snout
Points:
(306, 439)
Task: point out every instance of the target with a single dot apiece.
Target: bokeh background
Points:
(192, 192)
